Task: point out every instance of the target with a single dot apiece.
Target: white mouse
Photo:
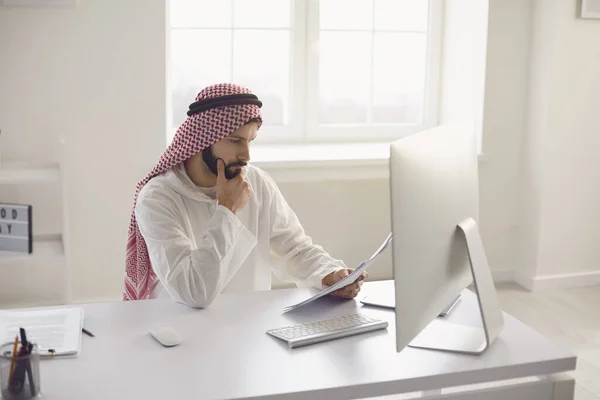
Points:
(166, 336)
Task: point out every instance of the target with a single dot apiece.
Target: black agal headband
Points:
(223, 101)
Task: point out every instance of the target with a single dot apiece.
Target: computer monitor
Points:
(437, 251)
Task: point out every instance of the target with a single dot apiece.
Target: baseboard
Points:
(523, 280)
(567, 281)
(563, 281)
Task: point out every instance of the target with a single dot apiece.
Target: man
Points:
(207, 222)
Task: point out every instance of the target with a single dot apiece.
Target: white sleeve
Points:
(303, 262)
(193, 275)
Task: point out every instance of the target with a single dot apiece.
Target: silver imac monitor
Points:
(437, 251)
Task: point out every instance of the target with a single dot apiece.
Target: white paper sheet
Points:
(58, 329)
(350, 279)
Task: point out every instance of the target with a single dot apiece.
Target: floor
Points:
(567, 316)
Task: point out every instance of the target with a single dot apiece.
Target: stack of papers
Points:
(56, 329)
(350, 279)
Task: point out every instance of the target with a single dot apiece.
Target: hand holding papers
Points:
(347, 280)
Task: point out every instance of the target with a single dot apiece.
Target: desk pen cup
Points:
(19, 375)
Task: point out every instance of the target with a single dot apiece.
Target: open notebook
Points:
(58, 329)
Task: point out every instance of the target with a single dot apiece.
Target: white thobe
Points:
(199, 249)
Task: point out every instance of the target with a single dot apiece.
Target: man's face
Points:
(233, 149)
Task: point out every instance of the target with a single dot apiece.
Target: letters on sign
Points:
(16, 233)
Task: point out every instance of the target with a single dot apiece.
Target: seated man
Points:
(207, 222)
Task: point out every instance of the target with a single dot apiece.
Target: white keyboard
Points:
(320, 331)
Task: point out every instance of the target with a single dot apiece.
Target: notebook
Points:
(57, 329)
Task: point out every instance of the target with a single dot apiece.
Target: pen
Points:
(23, 337)
(28, 370)
(87, 332)
(18, 381)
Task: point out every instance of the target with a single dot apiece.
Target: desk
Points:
(227, 354)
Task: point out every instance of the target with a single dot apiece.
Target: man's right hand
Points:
(231, 193)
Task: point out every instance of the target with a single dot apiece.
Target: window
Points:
(326, 70)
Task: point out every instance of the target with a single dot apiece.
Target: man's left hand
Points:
(349, 291)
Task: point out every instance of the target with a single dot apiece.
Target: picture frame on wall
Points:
(589, 9)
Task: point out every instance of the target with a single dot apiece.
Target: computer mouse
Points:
(166, 336)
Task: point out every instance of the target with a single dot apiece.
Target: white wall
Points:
(491, 75)
(349, 219)
(571, 184)
(563, 159)
(539, 183)
(505, 113)
(93, 75)
(532, 151)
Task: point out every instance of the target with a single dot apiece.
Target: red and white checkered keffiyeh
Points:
(197, 132)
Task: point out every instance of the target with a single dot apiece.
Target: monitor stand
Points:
(447, 336)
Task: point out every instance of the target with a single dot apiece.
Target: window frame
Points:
(348, 133)
(303, 126)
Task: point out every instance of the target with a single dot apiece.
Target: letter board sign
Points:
(15, 228)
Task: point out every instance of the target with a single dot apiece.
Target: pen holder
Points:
(19, 375)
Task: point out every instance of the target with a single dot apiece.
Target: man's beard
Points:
(211, 162)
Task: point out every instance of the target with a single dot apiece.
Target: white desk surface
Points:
(227, 354)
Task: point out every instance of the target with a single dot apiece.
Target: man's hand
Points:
(231, 193)
(347, 292)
